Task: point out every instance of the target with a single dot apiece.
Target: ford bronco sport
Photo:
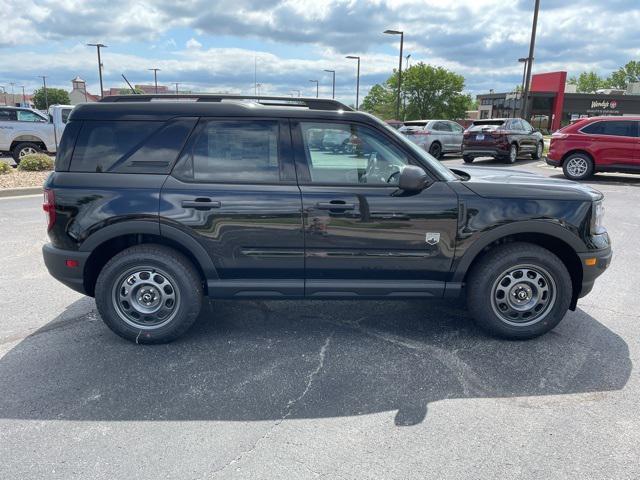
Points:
(155, 203)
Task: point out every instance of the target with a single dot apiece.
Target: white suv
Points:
(24, 131)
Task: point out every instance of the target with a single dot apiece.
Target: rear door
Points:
(363, 236)
(458, 132)
(614, 142)
(8, 119)
(234, 190)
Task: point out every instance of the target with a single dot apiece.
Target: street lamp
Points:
(98, 47)
(406, 66)
(44, 84)
(24, 100)
(155, 77)
(317, 87)
(4, 90)
(333, 94)
(354, 57)
(523, 60)
(532, 46)
(398, 32)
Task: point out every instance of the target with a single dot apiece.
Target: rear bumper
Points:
(553, 163)
(55, 259)
(492, 151)
(591, 272)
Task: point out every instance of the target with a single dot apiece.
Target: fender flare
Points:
(129, 227)
(528, 226)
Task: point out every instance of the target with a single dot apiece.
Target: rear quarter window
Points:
(130, 146)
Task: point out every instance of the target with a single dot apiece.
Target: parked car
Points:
(501, 138)
(597, 144)
(436, 136)
(155, 203)
(25, 131)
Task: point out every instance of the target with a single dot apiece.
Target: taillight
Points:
(49, 207)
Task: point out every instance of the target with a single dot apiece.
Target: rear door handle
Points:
(201, 203)
(335, 205)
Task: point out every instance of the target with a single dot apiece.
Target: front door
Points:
(364, 237)
(234, 191)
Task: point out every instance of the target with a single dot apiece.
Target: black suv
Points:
(154, 204)
(501, 138)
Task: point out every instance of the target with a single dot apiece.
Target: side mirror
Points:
(412, 179)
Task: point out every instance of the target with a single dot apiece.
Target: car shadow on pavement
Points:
(276, 360)
(607, 179)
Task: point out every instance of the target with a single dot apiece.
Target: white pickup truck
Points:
(24, 130)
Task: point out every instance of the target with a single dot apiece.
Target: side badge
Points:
(432, 238)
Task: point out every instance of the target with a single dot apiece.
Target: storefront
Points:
(551, 107)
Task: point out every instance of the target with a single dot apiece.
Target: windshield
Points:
(435, 165)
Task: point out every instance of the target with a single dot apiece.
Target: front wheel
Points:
(519, 291)
(149, 294)
(537, 155)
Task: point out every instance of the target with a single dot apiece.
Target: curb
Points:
(18, 192)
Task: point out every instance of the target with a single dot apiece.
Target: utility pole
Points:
(46, 98)
(354, 57)
(333, 91)
(4, 90)
(155, 77)
(24, 100)
(317, 87)
(98, 47)
(532, 46)
(176, 84)
(398, 32)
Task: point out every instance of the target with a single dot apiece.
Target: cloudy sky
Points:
(212, 45)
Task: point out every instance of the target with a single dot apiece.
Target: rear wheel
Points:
(23, 149)
(513, 154)
(519, 291)
(149, 294)
(577, 166)
(467, 159)
(435, 150)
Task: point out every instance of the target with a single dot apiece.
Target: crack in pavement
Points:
(288, 409)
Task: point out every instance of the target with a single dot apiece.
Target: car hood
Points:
(510, 183)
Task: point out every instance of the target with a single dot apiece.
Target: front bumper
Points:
(600, 261)
(57, 262)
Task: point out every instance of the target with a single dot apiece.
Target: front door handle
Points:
(201, 204)
(335, 205)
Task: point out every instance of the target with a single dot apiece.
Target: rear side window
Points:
(65, 148)
(130, 146)
(622, 128)
(7, 115)
(232, 152)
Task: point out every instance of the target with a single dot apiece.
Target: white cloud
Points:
(193, 43)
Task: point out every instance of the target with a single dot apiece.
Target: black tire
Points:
(537, 155)
(24, 148)
(467, 159)
(133, 264)
(513, 154)
(577, 166)
(487, 281)
(435, 150)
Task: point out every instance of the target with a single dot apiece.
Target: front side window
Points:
(232, 152)
(622, 128)
(456, 127)
(442, 127)
(27, 116)
(341, 153)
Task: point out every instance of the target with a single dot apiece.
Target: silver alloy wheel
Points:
(513, 154)
(577, 166)
(539, 150)
(27, 151)
(145, 298)
(523, 295)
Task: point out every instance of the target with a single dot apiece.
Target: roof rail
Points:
(311, 103)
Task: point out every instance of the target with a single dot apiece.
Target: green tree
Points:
(624, 75)
(380, 101)
(54, 96)
(127, 91)
(434, 92)
(588, 82)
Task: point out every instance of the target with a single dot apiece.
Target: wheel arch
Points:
(574, 151)
(113, 239)
(549, 236)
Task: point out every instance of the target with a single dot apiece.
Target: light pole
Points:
(98, 47)
(532, 46)
(398, 32)
(13, 97)
(44, 84)
(24, 100)
(317, 87)
(4, 90)
(176, 84)
(333, 91)
(354, 57)
(258, 87)
(406, 65)
(523, 60)
(155, 77)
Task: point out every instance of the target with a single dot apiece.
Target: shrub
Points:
(36, 163)
(5, 168)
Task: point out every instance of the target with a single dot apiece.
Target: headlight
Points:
(597, 218)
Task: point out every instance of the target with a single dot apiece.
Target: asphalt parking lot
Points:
(279, 389)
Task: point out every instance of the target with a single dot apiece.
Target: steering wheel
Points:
(396, 173)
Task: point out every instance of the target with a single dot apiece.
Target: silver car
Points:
(436, 136)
